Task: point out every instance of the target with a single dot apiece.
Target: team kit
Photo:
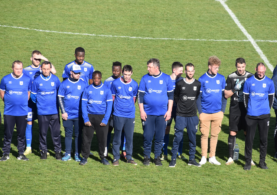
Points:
(87, 106)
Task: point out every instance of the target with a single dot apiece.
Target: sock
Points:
(231, 145)
(166, 140)
(28, 134)
(180, 149)
(109, 139)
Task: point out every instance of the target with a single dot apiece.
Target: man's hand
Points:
(64, 116)
(167, 115)
(42, 57)
(88, 124)
(143, 115)
(103, 124)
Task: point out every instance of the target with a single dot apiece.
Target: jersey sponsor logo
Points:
(130, 88)
(194, 88)
(79, 87)
(10, 82)
(161, 81)
(52, 83)
(119, 87)
(257, 94)
(149, 81)
(101, 92)
(264, 85)
(218, 81)
(15, 92)
(30, 73)
(183, 88)
(212, 90)
(154, 91)
(253, 84)
(69, 96)
(124, 97)
(91, 101)
(20, 82)
(85, 69)
(67, 86)
(185, 98)
(47, 92)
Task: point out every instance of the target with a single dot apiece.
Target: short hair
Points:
(79, 49)
(46, 63)
(155, 62)
(127, 68)
(17, 62)
(189, 64)
(214, 60)
(240, 61)
(176, 65)
(117, 63)
(36, 52)
(260, 64)
(96, 72)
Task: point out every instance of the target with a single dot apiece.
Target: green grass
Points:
(158, 19)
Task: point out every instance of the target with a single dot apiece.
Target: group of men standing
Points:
(87, 105)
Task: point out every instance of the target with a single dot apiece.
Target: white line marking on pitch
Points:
(132, 37)
(249, 37)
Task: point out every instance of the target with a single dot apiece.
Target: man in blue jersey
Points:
(155, 100)
(258, 94)
(211, 106)
(124, 92)
(97, 104)
(15, 92)
(70, 92)
(44, 93)
(274, 79)
(177, 71)
(33, 71)
(87, 68)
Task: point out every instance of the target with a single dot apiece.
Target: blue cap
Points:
(76, 68)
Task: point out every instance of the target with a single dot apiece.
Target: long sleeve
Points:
(198, 103)
(61, 104)
(245, 99)
(108, 112)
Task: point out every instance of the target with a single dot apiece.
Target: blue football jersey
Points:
(46, 91)
(72, 92)
(211, 88)
(155, 88)
(124, 93)
(16, 94)
(258, 90)
(32, 72)
(86, 74)
(108, 82)
(95, 100)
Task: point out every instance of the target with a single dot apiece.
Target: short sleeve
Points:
(246, 87)
(142, 86)
(3, 84)
(271, 87)
(228, 84)
(109, 95)
(85, 95)
(65, 72)
(170, 85)
(61, 91)
(58, 82)
(113, 88)
(223, 84)
(34, 88)
(91, 72)
(135, 91)
(30, 85)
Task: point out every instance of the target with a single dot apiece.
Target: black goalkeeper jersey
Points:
(236, 105)
(185, 95)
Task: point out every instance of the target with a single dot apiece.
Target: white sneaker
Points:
(203, 160)
(252, 163)
(213, 160)
(230, 161)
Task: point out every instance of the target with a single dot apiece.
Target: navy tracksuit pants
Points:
(191, 123)
(154, 125)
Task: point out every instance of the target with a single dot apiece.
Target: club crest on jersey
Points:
(67, 86)
(253, 84)
(161, 82)
(218, 81)
(10, 92)
(185, 98)
(264, 85)
(85, 69)
(207, 81)
(149, 81)
(90, 92)
(40, 84)
(79, 87)
(253, 93)
(52, 83)
(119, 87)
(130, 88)
(194, 88)
(101, 92)
(30, 73)
(183, 88)
(10, 82)
(20, 82)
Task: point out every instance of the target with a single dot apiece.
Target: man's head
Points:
(75, 71)
(260, 70)
(17, 67)
(189, 70)
(241, 65)
(46, 68)
(153, 66)
(116, 69)
(79, 55)
(96, 77)
(127, 72)
(213, 64)
(177, 68)
(35, 58)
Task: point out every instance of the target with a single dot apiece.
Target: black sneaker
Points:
(247, 167)
(83, 161)
(115, 162)
(58, 155)
(172, 163)
(43, 155)
(263, 165)
(105, 161)
(193, 163)
(131, 161)
(158, 162)
(146, 161)
(5, 157)
(22, 157)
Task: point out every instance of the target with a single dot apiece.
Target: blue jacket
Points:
(274, 79)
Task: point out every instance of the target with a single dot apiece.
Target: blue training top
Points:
(16, 94)
(124, 93)
(32, 72)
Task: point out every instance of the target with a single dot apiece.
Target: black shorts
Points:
(237, 123)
